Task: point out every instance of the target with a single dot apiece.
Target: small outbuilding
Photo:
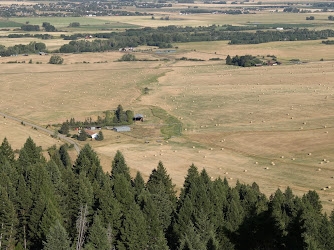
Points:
(122, 129)
(138, 117)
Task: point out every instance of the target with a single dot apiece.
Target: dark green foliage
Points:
(133, 231)
(164, 36)
(6, 153)
(55, 59)
(8, 220)
(57, 239)
(119, 117)
(32, 47)
(49, 204)
(29, 27)
(98, 237)
(48, 27)
(119, 166)
(228, 60)
(243, 61)
(74, 24)
(64, 156)
(65, 128)
(83, 135)
(100, 136)
(128, 57)
(139, 184)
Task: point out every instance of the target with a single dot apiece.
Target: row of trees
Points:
(55, 204)
(117, 117)
(47, 27)
(243, 61)
(159, 37)
(32, 47)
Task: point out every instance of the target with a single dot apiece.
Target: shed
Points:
(122, 129)
(138, 117)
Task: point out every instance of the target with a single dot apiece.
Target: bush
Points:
(74, 24)
(128, 57)
(56, 60)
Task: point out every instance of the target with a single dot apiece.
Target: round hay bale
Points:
(319, 169)
(226, 173)
(256, 163)
(329, 187)
(245, 170)
(293, 159)
(282, 156)
(222, 149)
(193, 146)
(309, 154)
(266, 168)
(273, 163)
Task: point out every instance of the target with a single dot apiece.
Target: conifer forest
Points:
(59, 204)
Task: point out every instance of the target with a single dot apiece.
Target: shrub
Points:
(128, 57)
(56, 60)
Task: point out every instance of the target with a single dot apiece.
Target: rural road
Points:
(62, 137)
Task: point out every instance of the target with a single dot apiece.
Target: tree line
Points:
(164, 36)
(160, 37)
(57, 204)
(32, 47)
(243, 61)
(111, 118)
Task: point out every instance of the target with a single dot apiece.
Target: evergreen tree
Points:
(228, 60)
(64, 156)
(6, 153)
(8, 221)
(98, 238)
(83, 135)
(57, 239)
(133, 230)
(156, 238)
(100, 136)
(65, 128)
(119, 113)
(110, 208)
(119, 166)
(24, 204)
(139, 184)
(191, 240)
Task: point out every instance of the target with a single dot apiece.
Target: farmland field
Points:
(270, 125)
(234, 119)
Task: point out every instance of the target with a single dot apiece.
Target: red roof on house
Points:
(90, 132)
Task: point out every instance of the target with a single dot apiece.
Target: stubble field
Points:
(271, 125)
(236, 122)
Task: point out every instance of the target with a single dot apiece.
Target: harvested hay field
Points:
(17, 134)
(271, 125)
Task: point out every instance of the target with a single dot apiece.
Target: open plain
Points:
(272, 125)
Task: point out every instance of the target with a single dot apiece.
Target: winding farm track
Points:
(62, 137)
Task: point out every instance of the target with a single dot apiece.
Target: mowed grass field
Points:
(271, 125)
(17, 135)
